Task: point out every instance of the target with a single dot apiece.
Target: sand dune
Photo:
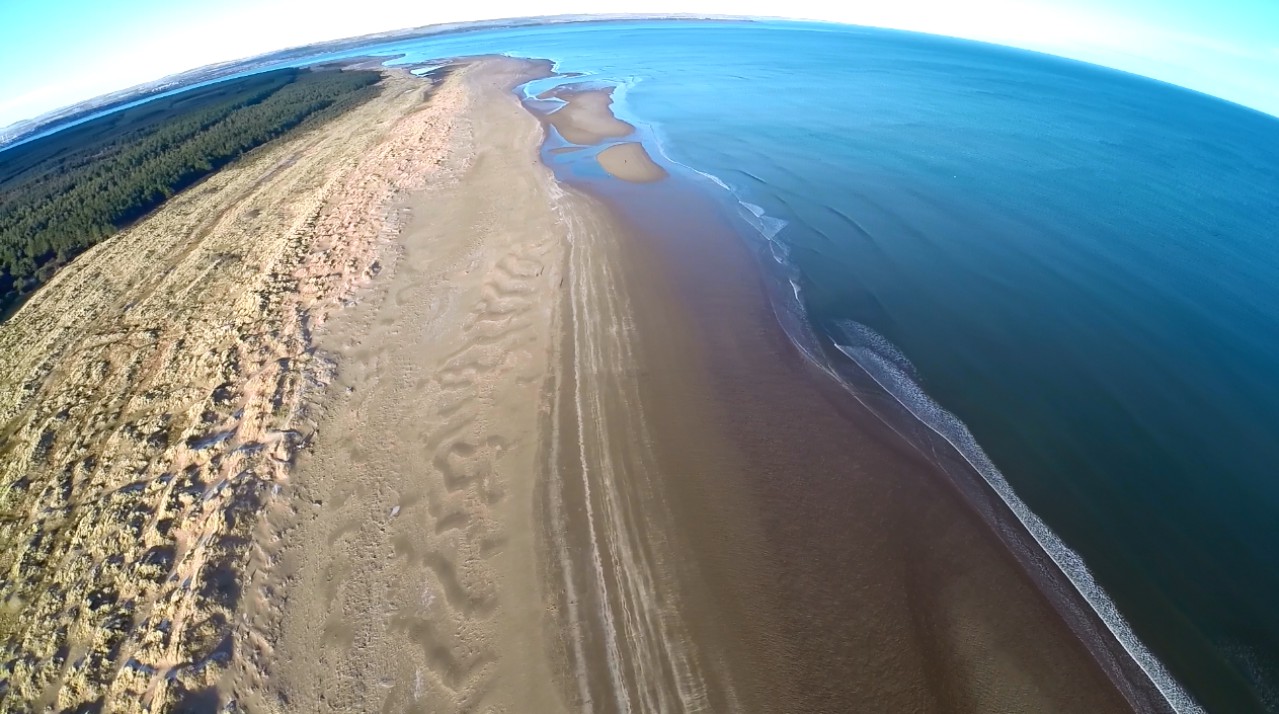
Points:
(152, 399)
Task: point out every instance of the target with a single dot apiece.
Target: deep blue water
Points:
(1082, 266)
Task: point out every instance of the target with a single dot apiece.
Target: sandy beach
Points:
(412, 582)
(484, 527)
(629, 161)
(456, 437)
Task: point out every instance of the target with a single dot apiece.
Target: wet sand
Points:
(829, 566)
(629, 161)
(874, 585)
(585, 118)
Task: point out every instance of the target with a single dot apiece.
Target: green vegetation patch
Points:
(61, 194)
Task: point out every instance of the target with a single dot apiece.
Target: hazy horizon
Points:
(1224, 51)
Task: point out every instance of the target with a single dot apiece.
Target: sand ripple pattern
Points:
(408, 580)
(153, 397)
(480, 525)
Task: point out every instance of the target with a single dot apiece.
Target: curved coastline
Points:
(1026, 535)
(861, 362)
(876, 363)
(848, 362)
(907, 393)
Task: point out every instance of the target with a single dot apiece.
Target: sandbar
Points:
(586, 117)
(630, 162)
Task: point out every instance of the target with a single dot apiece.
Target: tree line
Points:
(61, 194)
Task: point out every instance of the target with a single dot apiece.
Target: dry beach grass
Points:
(154, 398)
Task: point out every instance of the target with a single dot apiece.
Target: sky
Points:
(54, 53)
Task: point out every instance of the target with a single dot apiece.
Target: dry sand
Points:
(383, 418)
(409, 580)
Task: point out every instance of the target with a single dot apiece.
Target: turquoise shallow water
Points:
(1081, 266)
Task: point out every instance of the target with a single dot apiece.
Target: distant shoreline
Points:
(59, 119)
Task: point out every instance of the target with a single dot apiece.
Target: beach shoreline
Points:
(1051, 601)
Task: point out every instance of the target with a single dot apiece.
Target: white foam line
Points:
(1067, 561)
(713, 178)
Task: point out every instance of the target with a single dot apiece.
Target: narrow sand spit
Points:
(152, 398)
(480, 528)
(383, 418)
(408, 579)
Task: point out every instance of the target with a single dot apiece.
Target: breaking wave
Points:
(923, 422)
(890, 369)
(909, 411)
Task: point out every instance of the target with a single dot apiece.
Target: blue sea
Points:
(1068, 273)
